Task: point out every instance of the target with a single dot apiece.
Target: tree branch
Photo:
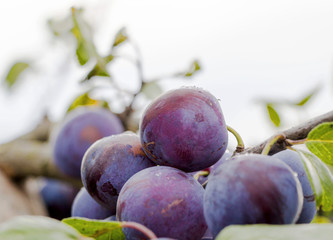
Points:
(22, 158)
(31, 155)
(295, 133)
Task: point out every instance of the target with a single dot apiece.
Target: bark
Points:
(298, 132)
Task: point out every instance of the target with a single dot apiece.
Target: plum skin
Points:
(85, 206)
(81, 128)
(251, 189)
(164, 199)
(292, 159)
(109, 163)
(58, 197)
(185, 129)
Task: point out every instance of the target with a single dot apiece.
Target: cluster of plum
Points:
(148, 177)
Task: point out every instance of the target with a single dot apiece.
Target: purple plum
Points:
(81, 128)
(85, 206)
(185, 129)
(109, 163)
(58, 197)
(251, 189)
(164, 199)
(292, 159)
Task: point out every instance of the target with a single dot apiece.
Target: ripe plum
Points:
(252, 189)
(185, 129)
(58, 197)
(292, 159)
(164, 199)
(109, 163)
(81, 128)
(85, 206)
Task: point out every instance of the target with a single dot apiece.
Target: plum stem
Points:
(200, 173)
(204, 184)
(240, 143)
(296, 142)
(141, 228)
(271, 143)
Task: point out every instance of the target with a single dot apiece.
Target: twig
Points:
(295, 133)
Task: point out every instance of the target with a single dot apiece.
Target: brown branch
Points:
(22, 158)
(31, 155)
(295, 133)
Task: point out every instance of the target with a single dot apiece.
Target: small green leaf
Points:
(151, 89)
(321, 179)
(320, 142)
(98, 70)
(85, 48)
(195, 66)
(82, 52)
(37, 228)
(98, 229)
(277, 232)
(121, 37)
(86, 100)
(273, 115)
(305, 99)
(14, 73)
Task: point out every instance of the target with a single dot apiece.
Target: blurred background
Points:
(252, 54)
(270, 64)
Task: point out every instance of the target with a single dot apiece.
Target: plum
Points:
(226, 156)
(81, 128)
(58, 197)
(184, 128)
(292, 159)
(109, 163)
(251, 189)
(85, 206)
(164, 199)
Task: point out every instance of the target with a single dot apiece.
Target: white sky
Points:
(248, 50)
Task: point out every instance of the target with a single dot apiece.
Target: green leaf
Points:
(82, 52)
(37, 228)
(321, 179)
(320, 142)
(277, 232)
(195, 66)
(14, 73)
(86, 100)
(85, 48)
(305, 99)
(98, 70)
(151, 89)
(98, 229)
(273, 115)
(121, 37)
